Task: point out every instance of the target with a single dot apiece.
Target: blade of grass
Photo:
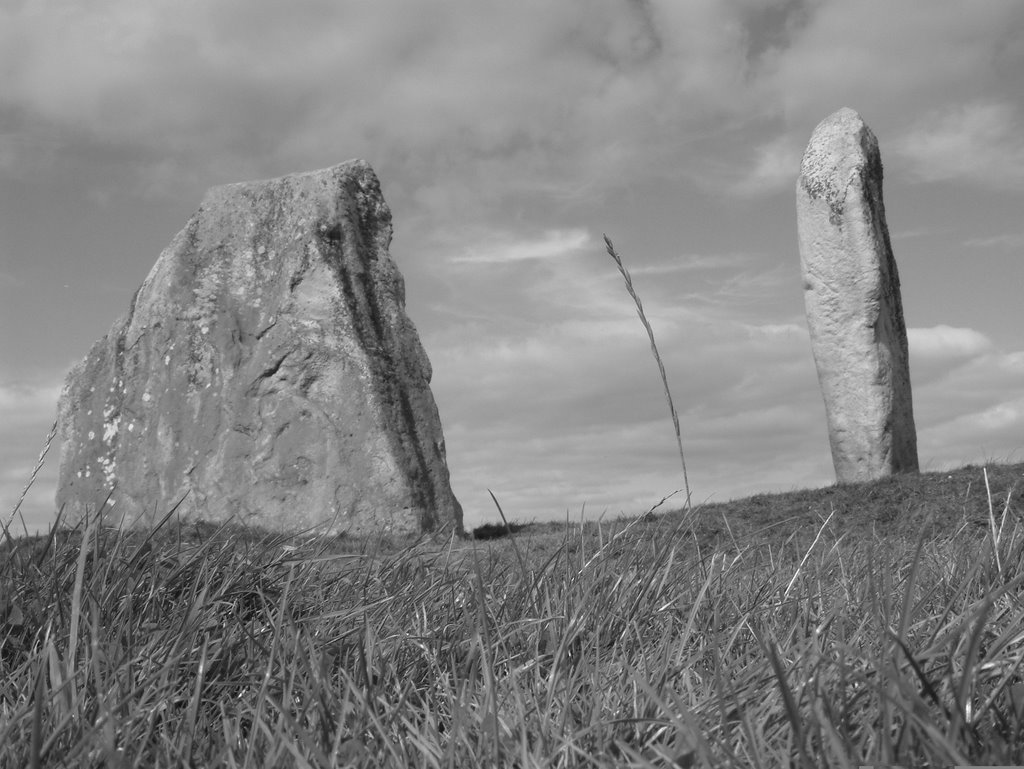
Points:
(800, 568)
(92, 524)
(32, 478)
(657, 357)
(35, 752)
(486, 657)
(992, 523)
(508, 528)
(792, 710)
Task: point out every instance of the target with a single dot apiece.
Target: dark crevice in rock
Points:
(271, 370)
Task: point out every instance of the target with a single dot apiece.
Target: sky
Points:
(509, 137)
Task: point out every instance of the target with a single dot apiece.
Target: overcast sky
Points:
(508, 136)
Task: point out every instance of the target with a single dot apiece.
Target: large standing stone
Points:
(852, 296)
(266, 366)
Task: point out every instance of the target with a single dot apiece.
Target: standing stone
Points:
(852, 296)
(266, 367)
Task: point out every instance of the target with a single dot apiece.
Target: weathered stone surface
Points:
(852, 297)
(266, 366)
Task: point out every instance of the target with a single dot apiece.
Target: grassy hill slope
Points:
(870, 624)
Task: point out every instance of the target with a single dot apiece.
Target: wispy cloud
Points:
(743, 291)
(884, 59)
(1007, 240)
(980, 142)
(967, 396)
(990, 433)
(946, 342)
(942, 355)
(694, 263)
(504, 248)
(25, 401)
(774, 166)
(581, 396)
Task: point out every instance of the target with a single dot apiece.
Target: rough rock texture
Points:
(266, 366)
(852, 296)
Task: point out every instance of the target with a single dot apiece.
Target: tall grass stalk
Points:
(32, 478)
(657, 357)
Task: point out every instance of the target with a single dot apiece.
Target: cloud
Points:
(463, 105)
(967, 397)
(27, 410)
(876, 57)
(503, 249)
(1008, 241)
(893, 64)
(22, 401)
(992, 433)
(945, 342)
(695, 263)
(775, 166)
(574, 414)
(979, 142)
(500, 97)
(567, 409)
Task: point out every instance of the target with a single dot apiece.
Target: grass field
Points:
(868, 624)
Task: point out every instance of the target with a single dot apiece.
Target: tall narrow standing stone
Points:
(852, 296)
(265, 371)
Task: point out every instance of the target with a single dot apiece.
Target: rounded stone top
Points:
(841, 148)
